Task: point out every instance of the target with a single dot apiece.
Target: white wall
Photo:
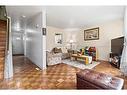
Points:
(107, 32)
(34, 40)
(71, 34)
(50, 37)
(67, 35)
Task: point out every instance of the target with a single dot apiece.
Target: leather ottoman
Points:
(90, 79)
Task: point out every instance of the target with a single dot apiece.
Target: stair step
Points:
(1, 59)
(2, 54)
(3, 28)
(2, 51)
(2, 43)
(2, 32)
(3, 23)
(3, 39)
(2, 48)
(2, 36)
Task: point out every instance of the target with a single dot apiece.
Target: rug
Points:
(80, 64)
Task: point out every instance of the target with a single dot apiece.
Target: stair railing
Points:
(7, 35)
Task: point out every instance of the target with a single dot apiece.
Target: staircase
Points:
(3, 29)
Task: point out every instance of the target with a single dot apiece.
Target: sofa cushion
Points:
(56, 50)
(64, 50)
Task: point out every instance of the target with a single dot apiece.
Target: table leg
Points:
(71, 58)
(86, 60)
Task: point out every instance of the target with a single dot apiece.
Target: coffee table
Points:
(87, 59)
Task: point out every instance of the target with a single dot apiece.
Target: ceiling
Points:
(67, 16)
(17, 14)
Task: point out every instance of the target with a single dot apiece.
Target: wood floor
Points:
(60, 76)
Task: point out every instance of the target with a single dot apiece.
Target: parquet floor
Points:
(60, 76)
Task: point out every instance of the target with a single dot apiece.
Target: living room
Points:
(106, 34)
(76, 42)
(62, 40)
(108, 28)
(83, 32)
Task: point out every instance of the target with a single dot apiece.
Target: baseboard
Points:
(102, 60)
(18, 54)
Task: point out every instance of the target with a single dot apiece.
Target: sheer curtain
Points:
(123, 65)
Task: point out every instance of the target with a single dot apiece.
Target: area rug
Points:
(80, 64)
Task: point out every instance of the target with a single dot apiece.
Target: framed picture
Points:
(58, 38)
(44, 31)
(91, 34)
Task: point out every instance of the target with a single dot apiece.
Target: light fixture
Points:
(71, 42)
(18, 29)
(18, 38)
(17, 26)
(37, 25)
(23, 16)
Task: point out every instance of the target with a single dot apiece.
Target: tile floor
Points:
(60, 76)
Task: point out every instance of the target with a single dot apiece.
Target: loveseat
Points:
(56, 55)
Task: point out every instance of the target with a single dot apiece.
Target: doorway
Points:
(18, 43)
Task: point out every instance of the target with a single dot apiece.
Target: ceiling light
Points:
(18, 29)
(18, 38)
(23, 16)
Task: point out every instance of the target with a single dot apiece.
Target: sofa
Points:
(90, 79)
(56, 55)
(53, 58)
(63, 51)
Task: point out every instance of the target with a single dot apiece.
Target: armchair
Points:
(53, 58)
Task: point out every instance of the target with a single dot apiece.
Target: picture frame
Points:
(58, 38)
(91, 34)
(44, 31)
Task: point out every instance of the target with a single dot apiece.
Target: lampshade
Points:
(71, 41)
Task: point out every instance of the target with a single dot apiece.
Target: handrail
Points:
(7, 33)
(7, 37)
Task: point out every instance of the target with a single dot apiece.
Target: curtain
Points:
(123, 64)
